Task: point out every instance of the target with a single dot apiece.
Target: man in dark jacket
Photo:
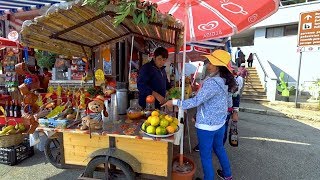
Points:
(152, 79)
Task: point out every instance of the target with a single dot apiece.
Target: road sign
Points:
(309, 31)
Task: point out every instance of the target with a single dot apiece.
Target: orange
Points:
(150, 99)
(155, 113)
(170, 129)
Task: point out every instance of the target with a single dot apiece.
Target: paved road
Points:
(270, 148)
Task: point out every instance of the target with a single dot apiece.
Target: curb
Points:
(278, 114)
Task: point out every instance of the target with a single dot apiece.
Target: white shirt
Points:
(239, 80)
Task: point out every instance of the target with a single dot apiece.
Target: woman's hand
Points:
(168, 104)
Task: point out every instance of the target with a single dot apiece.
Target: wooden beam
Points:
(74, 42)
(152, 38)
(113, 39)
(80, 24)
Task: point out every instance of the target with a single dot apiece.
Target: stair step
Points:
(253, 93)
(254, 86)
(254, 80)
(253, 90)
(253, 83)
(253, 100)
(254, 96)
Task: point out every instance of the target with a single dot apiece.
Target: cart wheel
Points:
(52, 152)
(118, 169)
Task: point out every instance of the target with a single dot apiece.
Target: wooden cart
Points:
(75, 29)
(121, 141)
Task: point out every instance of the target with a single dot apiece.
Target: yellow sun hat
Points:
(219, 58)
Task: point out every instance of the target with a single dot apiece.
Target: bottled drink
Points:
(11, 109)
(16, 110)
(7, 109)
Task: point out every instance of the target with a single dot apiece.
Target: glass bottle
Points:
(134, 112)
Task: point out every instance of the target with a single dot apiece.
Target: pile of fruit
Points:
(7, 130)
(160, 124)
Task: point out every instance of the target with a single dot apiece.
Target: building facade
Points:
(274, 40)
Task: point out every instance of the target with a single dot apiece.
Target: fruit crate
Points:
(15, 154)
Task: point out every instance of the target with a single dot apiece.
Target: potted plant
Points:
(283, 88)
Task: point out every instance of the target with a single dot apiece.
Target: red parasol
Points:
(4, 42)
(212, 19)
(216, 19)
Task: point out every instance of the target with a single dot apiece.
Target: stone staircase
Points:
(253, 89)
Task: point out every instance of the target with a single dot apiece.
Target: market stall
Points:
(74, 29)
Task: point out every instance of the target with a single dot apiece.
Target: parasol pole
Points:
(130, 66)
(181, 112)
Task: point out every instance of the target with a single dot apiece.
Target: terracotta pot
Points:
(24, 90)
(184, 175)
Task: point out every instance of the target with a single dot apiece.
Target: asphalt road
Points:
(269, 148)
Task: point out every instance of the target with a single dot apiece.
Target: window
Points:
(291, 30)
(282, 31)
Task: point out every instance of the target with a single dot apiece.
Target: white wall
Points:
(288, 14)
(282, 54)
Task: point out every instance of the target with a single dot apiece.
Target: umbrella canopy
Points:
(215, 19)
(193, 53)
(194, 50)
(8, 43)
(205, 20)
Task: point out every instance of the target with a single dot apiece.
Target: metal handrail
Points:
(264, 71)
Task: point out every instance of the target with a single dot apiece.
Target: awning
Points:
(14, 6)
(73, 29)
(4, 42)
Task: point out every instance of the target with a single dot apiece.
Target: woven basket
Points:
(12, 139)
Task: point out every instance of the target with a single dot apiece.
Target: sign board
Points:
(309, 31)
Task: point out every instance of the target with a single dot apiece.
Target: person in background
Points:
(212, 102)
(250, 60)
(243, 72)
(239, 56)
(152, 79)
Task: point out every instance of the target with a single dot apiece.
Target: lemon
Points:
(151, 130)
(174, 126)
(164, 123)
(144, 126)
(170, 129)
(155, 113)
(161, 131)
(155, 120)
(147, 123)
(149, 119)
(161, 116)
(169, 118)
(176, 121)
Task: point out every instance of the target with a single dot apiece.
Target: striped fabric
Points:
(14, 6)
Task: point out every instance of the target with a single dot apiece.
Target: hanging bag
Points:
(233, 134)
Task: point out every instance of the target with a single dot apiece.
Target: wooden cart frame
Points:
(76, 30)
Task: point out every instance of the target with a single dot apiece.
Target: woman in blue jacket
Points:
(212, 102)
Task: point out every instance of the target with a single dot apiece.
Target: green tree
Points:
(45, 59)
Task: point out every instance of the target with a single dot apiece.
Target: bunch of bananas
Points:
(7, 130)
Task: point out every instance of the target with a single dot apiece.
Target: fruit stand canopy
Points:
(73, 29)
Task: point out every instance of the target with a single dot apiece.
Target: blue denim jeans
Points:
(208, 141)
